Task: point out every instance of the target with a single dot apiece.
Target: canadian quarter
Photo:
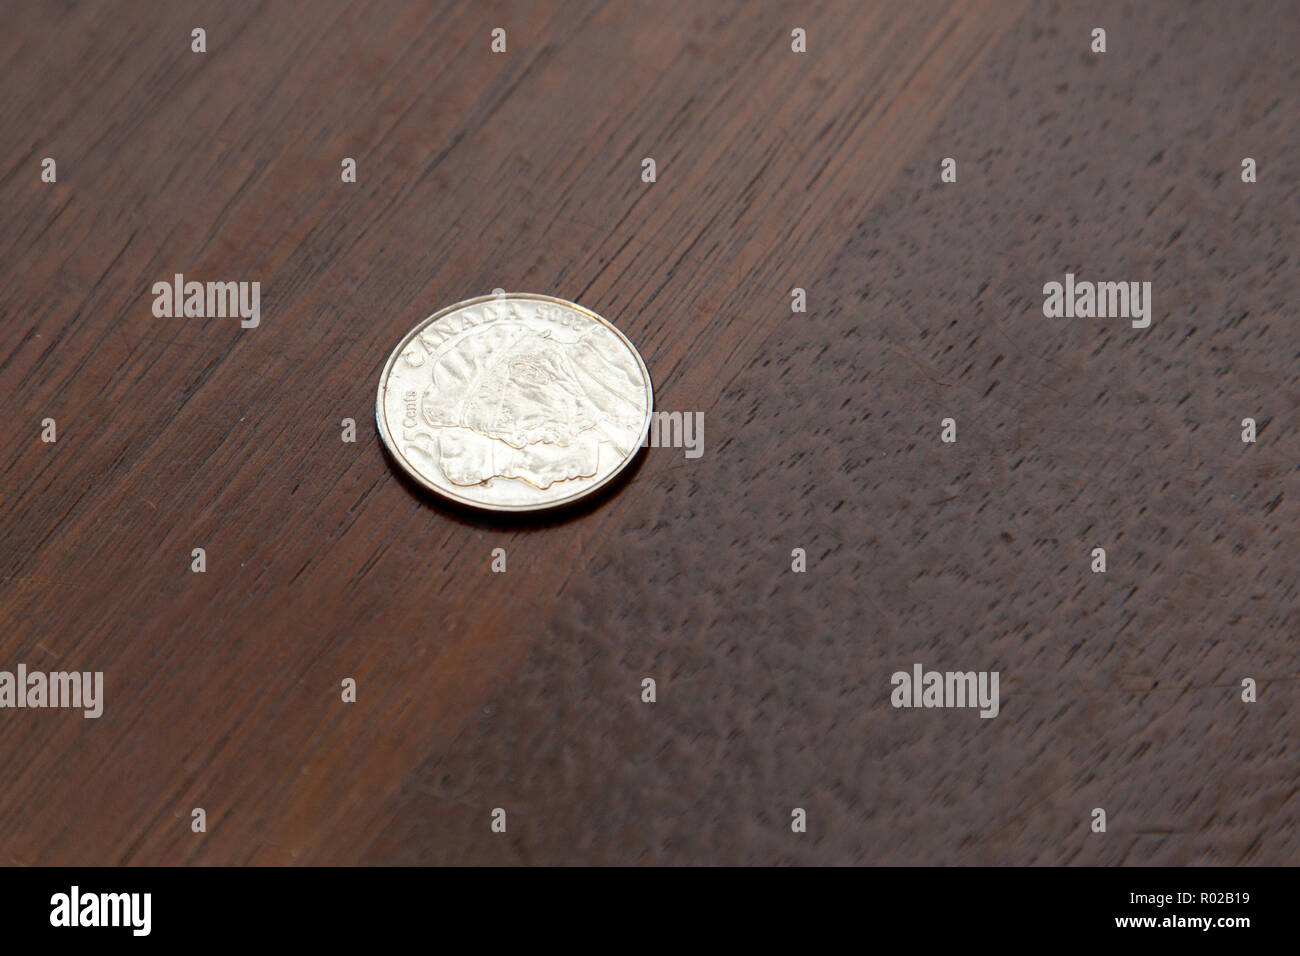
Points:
(514, 402)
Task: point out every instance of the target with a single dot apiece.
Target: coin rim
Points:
(419, 478)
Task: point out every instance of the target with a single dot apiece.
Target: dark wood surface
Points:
(775, 170)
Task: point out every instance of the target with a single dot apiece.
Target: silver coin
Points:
(514, 402)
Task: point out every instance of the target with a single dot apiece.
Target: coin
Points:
(514, 402)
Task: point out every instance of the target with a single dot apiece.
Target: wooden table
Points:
(775, 170)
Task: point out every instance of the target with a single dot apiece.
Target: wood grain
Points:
(775, 170)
